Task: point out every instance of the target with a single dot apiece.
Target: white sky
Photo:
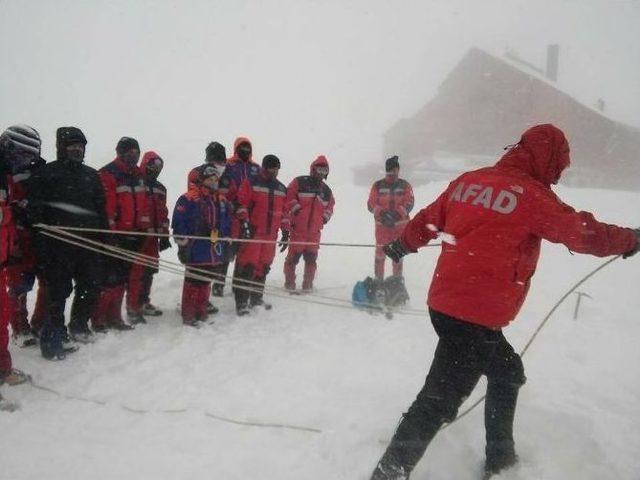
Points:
(299, 77)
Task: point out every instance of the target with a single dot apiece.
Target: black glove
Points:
(246, 231)
(631, 253)
(395, 250)
(19, 213)
(388, 218)
(284, 241)
(183, 254)
(164, 244)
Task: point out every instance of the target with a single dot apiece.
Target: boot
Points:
(81, 333)
(52, 343)
(150, 310)
(135, 318)
(14, 377)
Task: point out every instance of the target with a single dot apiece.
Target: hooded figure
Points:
(492, 221)
(67, 193)
(141, 277)
(308, 208)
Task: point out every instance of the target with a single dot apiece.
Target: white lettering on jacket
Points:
(503, 202)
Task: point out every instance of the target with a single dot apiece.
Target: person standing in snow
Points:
(261, 206)
(497, 217)
(202, 211)
(126, 211)
(19, 148)
(309, 207)
(67, 193)
(23, 269)
(239, 167)
(390, 202)
(141, 277)
(215, 154)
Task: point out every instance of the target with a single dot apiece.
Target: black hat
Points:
(215, 152)
(391, 163)
(270, 161)
(125, 144)
(66, 136)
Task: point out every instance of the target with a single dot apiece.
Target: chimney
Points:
(553, 54)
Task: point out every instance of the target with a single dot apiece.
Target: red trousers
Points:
(310, 255)
(195, 295)
(141, 277)
(259, 255)
(386, 235)
(5, 356)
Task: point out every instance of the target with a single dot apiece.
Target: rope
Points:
(221, 239)
(537, 331)
(140, 411)
(126, 255)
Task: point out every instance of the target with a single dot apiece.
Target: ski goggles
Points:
(324, 171)
(155, 165)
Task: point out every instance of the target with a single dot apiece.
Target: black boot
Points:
(52, 344)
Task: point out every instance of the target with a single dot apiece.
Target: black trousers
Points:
(116, 270)
(63, 266)
(464, 353)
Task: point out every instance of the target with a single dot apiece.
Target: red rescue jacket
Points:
(262, 203)
(309, 203)
(498, 217)
(8, 234)
(391, 194)
(126, 202)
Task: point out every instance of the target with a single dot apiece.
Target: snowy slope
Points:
(343, 372)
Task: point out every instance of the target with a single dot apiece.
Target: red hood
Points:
(542, 153)
(146, 158)
(321, 161)
(234, 158)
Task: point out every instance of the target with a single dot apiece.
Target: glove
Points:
(183, 254)
(164, 244)
(388, 218)
(284, 241)
(631, 253)
(395, 250)
(246, 231)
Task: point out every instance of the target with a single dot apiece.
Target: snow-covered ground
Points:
(342, 372)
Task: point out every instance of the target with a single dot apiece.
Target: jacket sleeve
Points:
(408, 200)
(553, 220)
(163, 214)
(180, 222)
(328, 210)
(372, 203)
(244, 200)
(425, 226)
(292, 204)
(111, 201)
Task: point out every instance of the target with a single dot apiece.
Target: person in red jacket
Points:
(491, 222)
(390, 201)
(239, 167)
(22, 271)
(261, 207)
(19, 148)
(140, 276)
(309, 207)
(126, 211)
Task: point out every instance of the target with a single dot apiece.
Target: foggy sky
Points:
(299, 77)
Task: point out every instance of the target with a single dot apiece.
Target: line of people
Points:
(232, 197)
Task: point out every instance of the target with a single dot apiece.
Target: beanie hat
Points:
(270, 161)
(215, 152)
(68, 136)
(391, 163)
(125, 144)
